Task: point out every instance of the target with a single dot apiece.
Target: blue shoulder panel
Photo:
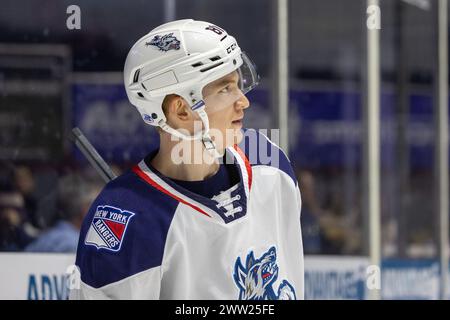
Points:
(260, 151)
(124, 232)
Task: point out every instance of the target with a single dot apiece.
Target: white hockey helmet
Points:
(181, 57)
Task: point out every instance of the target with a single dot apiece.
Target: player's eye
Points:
(225, 89)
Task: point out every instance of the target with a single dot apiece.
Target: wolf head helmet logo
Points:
(165, 43)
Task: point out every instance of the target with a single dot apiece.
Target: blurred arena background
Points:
(53, 79)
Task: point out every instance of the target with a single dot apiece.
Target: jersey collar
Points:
(207, 207)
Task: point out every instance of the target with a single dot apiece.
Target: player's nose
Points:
(242, 102)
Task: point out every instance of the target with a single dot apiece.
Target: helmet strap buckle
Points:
(208, 143)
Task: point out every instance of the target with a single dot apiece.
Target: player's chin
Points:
(238, 136)
(231, 137)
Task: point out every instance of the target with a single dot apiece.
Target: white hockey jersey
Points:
(147, 238)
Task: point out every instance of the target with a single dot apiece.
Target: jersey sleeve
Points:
(122, 242)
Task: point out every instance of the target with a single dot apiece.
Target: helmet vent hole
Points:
(214, 58)
(197, 64)
(136, 76)
(211, 67)
(140, 94)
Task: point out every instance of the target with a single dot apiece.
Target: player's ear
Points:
(176, 108)
(182, 110)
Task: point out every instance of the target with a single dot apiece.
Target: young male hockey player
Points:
(206, 216)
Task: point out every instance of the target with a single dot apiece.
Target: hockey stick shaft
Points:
(94, 158)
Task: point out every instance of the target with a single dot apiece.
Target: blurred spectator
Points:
(13, 234)
(327, 228)
(340, 226)
(310, 214)
(74, 196)
(24, 183)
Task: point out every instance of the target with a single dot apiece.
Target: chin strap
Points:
(207, 142)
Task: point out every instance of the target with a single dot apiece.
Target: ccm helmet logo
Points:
(232, 47)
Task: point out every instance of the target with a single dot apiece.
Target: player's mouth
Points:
(237, 122)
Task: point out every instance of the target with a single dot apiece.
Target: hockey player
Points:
(205, 216)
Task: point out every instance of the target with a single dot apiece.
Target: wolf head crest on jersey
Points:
(256, 278)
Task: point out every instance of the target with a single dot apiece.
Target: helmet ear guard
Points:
(182, 57)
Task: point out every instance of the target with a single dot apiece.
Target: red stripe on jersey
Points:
(136, 169)
(247, 165)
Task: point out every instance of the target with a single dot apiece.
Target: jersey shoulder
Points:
(124, 231)
(261, 151)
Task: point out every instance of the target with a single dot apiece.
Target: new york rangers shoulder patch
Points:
(108, 228)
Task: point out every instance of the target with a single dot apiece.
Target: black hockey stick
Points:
(92, 155)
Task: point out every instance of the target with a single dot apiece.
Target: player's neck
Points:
(184, 161)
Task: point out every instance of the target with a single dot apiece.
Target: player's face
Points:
(225, 105)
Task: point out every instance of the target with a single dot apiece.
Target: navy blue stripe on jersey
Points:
(209, 203)
(143, 243)
(213, 185)
(260, 151)
(138, 170)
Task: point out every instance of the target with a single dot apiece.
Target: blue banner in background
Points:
(335, 277)
(326, 129)
(343, 277)
(410, 279)
(111, 123)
